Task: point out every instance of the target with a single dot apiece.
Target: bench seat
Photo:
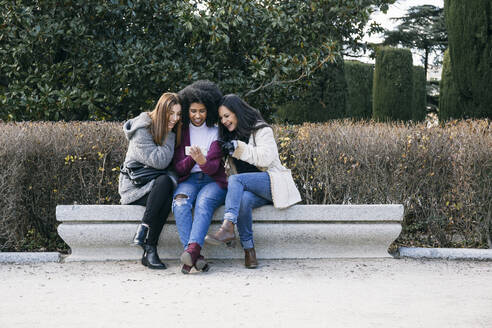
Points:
(104, 232)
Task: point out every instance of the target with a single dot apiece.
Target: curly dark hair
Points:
(203, 92)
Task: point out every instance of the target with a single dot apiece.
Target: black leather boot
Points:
(141, 235)
(151, 259)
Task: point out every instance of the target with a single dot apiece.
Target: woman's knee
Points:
(247, 201)
(163, 181)
(234, 179)
(181, 201)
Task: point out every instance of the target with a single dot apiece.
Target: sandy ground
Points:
(287, 293)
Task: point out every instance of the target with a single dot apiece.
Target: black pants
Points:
(157, 207)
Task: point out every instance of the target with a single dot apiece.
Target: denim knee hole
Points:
(180, 200)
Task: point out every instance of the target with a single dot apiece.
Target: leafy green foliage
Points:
(470, 48)
(393, 84)
(108, 60)
(359, 77)
(422, 28)
(319, 101)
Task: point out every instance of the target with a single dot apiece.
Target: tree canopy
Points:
(422, 28)
(111, 59)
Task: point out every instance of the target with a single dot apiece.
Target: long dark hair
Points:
(202, 92)
(249, 119)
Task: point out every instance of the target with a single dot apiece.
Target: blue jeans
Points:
(203, 192)
(245, 192)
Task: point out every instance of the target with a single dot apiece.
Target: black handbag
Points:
(140, 174)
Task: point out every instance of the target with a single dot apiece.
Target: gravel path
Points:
(287, 293)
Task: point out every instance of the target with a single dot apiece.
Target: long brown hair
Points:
(160, 118)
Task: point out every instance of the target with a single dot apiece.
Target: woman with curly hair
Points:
(152, 137)
(256, 176)
(202, 179)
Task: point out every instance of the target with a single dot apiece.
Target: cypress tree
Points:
(359, 77)
(470, 45)
(393, 84)
(419, 94)
(449, 98)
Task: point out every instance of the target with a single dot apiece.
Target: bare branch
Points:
(275, 82)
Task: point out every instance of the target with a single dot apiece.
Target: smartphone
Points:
(188, 148)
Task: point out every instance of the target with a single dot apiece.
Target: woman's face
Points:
(198, 114)
(174, 116)
(227, 118)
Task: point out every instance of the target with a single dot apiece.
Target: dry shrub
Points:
(54, 163)
(443, 175)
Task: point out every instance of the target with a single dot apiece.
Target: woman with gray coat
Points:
(151, 141)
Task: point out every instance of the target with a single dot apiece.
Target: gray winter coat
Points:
(143, 149)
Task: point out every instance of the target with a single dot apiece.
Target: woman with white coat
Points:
(256, 176)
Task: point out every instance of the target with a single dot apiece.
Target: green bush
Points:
(393, 84)
(450, 102)
(65, 60)
(359, 77)
(442, 175)
(321, 100)
(109, 60)
(470, 45)
(419, 94)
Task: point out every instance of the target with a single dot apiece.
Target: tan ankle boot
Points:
(250, 258)
(225, 235)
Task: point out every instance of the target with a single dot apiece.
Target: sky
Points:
(399, 9)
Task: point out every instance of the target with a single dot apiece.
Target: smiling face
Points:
(198, 114)
(227, 118)
(173, 116)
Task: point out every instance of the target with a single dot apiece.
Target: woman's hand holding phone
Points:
(197, 155)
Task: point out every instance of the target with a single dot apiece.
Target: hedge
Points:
(419, 98)
(359, 77)
(442, 175)
(450, 102)
(470, 45)
(322, 100)
(393, 84)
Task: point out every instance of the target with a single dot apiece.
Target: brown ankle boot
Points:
(250, 258)
(225, 235)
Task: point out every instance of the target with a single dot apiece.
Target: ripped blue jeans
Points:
(206, 195)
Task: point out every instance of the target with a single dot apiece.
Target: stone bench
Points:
(104, 232)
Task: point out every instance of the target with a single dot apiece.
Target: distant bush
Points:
(321, 100)
(359, 77)
(442, 175)
(419, 94)
(393, 84)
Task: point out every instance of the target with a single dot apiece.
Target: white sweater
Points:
(262, 152)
